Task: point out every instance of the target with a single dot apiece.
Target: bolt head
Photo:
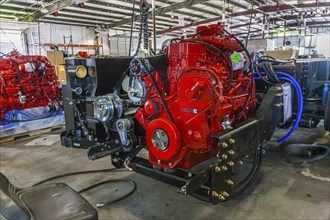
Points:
(231, 141)
(217, 169)
(215, 194)
(224, 145)
(230, 182)
(120, 125)
(225, 194)
(221, 197)
(231, 152)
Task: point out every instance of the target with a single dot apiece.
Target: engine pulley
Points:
(136, 67)
(137, 91)
(163, 138)
(108, 107)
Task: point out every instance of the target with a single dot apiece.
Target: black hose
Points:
(262, 78)
(73, 173)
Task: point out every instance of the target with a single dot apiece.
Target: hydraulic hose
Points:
(300, 106)
(286, 77)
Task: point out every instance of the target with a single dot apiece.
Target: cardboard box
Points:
(61, 74)
(56, 57)
(281, 54)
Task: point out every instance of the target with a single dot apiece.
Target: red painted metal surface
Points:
(204, 95)
(25, 82)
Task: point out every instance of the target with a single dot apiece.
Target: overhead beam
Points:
(51, 20)
(195, 8)
(165, 18)
(264, 9)
(160, 11)
(219, 7)
(14, 10)
(50, 8)
(238, 4)
(110, 4)
(311, 23)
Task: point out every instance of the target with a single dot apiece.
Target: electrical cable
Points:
(262, 78)
(98, 205)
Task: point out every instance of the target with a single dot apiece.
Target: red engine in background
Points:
(25, 82)
(209, 91)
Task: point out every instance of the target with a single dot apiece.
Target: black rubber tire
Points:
(327, 114)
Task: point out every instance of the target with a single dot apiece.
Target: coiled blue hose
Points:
(286, 77)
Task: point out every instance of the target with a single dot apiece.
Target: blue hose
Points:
(289, 78)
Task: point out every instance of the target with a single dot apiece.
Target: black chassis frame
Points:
(235, 143)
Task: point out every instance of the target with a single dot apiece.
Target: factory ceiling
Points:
(173, 17)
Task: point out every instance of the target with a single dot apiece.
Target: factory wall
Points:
(323, 44)
(53, 33)
(10, 39)
(115, 42)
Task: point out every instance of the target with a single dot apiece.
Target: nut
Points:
(224, 156)
(224, 145)
(217, 169)
(231, 163)
(230, 182)
(231, 141)
(225, 194)
(215, 194)
(224, 168)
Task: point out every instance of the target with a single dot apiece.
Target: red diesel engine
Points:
(193, 107)
(209, 90)
(25, 82)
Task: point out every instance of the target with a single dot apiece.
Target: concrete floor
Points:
(281, 190)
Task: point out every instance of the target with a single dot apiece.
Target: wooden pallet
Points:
(30, 134)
